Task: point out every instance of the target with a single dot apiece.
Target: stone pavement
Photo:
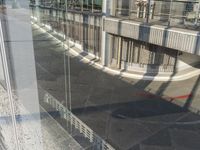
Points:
(127, 113)
(95, 62)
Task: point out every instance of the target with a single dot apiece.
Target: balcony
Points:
(173, 13)
(93, 6)
(171, 24)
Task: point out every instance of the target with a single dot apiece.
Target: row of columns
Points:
(145, 8)
(74, 2)
(109, 8)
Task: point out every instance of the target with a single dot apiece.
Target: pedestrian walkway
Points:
(95, 62)
(127, 113)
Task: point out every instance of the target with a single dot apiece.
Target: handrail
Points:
(98, 142)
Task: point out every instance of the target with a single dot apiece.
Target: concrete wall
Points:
(74, 16)
(141, 55)
(186, 60)
(179, 39)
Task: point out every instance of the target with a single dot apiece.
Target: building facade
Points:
(153, 36)
(147, 36)
(41, 70)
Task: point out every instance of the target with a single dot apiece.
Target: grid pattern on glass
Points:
(183, 14)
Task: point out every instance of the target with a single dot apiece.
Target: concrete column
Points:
(19, 47)
(22, 54)
(106, 7)
(119, 51)
(37, 9)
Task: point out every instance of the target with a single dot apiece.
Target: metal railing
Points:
(76, 5)
(97, 142)
(183, 14)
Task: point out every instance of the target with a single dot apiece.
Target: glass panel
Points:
(99, 74)
(174, 13)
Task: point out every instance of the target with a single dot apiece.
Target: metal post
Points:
(92, 6)
(130, 9)
(67, 79)
(81, 5)
(119, 52)
(105, 42)
(37, 3)
(170, 10)
(148, 11)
